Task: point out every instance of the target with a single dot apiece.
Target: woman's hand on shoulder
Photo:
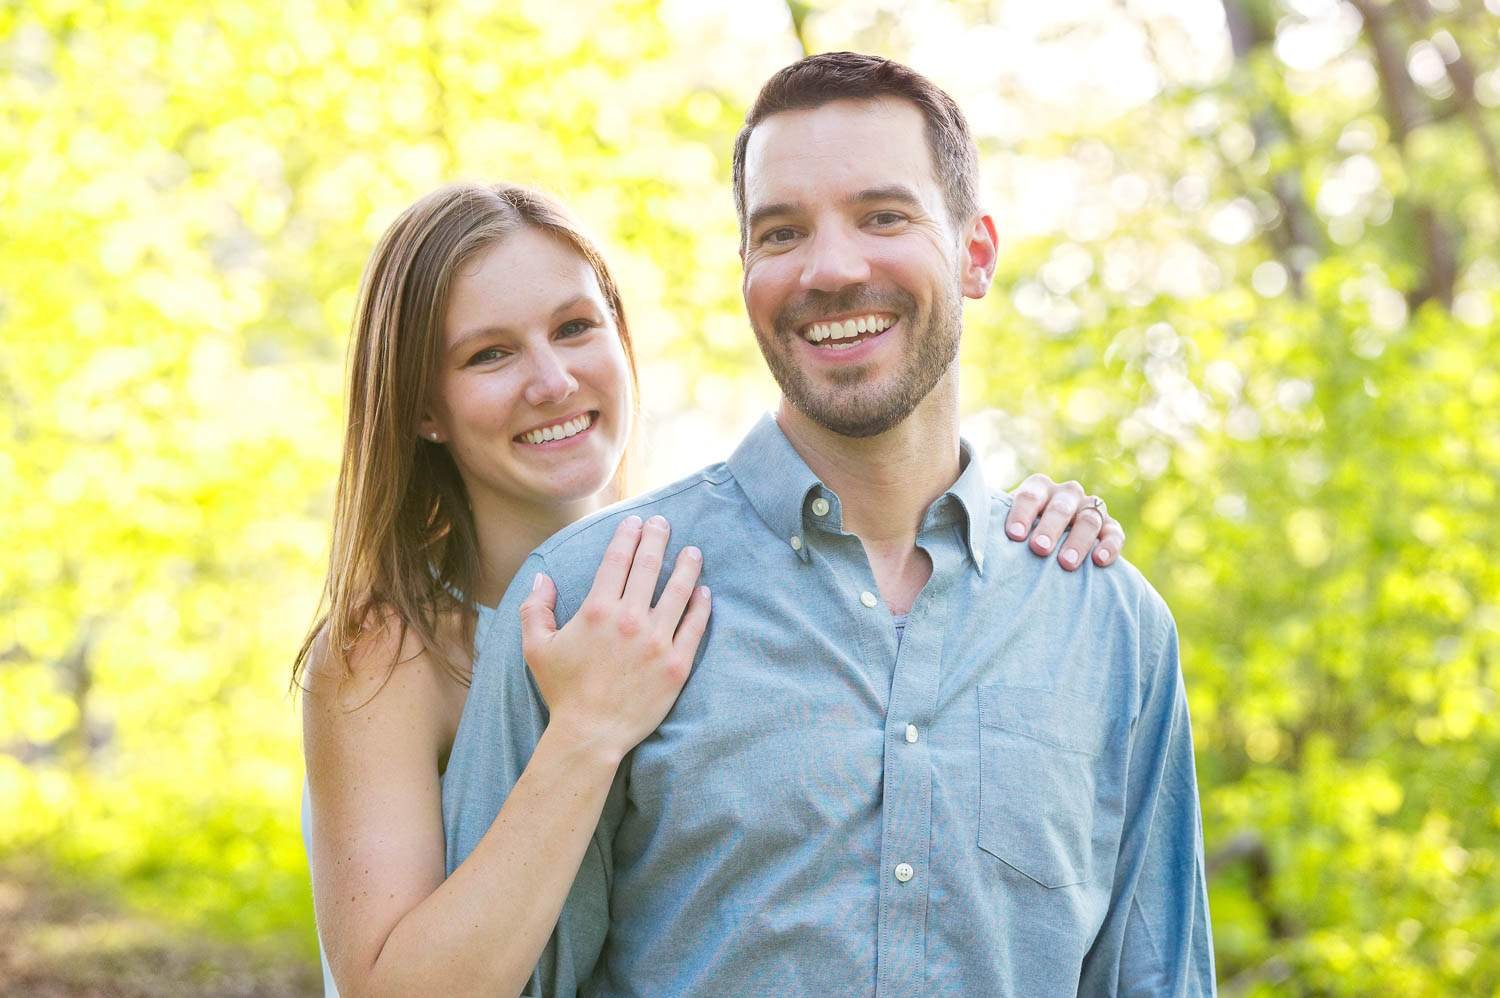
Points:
(1043, 509)
(611, 674)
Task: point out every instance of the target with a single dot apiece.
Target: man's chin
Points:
(856, 421)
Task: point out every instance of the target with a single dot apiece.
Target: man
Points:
(909, 760)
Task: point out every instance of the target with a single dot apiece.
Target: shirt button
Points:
(904, 872)
(796, 543)
(868, 599)
(911, 734)
(820, 506)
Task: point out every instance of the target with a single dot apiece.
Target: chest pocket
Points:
(1040, 769)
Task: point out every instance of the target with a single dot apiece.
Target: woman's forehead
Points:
(527, 273)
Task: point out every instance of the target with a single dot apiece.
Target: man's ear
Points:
(981, 252)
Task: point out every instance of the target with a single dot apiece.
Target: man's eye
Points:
(783, 235)
(885, 218)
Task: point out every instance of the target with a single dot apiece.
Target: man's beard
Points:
(852, 408)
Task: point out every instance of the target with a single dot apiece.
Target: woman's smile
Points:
(559, 433)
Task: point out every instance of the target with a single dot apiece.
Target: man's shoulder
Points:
(677, 501)
(1117, 592)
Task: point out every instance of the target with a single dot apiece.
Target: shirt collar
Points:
(973, 496)
(777, 482)
(775, 479)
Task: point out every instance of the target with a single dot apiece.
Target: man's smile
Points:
(846, 331)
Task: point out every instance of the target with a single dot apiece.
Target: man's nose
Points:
(550, 380)
(834, 261)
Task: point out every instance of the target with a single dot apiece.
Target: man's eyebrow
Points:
(759, 215)
(899, 193)
(892, 192)
(480, 332)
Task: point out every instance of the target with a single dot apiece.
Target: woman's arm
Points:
(389, 921)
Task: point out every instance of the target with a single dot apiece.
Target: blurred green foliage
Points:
(1249, 295)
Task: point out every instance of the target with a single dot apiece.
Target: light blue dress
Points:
(330, 990)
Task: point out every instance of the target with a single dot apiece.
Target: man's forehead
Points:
(860, 144)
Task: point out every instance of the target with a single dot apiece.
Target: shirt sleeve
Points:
(1155, 939)
(503, 719)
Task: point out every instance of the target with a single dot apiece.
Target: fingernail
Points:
(1016, 530)
(1044, 542)
(1069, 558)
(1103, 555)
(632, 520)
(658, 520)
(691, 552)
(536, 583)
(704, 591)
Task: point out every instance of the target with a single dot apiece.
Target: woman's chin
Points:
(577, 487)
(571, 487)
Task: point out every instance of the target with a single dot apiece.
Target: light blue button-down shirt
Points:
(1003, 804)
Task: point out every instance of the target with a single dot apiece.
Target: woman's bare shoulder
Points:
(388, 671)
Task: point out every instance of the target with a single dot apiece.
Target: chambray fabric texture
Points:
(1047, 809)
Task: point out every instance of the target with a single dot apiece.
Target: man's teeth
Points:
(572, 427)
(847, 328)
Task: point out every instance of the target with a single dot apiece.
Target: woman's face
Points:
(532, 393)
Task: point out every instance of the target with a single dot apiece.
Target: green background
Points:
(1248, 293)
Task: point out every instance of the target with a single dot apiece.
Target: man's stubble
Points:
(853, 408)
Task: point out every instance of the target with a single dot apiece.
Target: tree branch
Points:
(1247, 33)
(798, 10)
(1438, 241)
(77, 674)
(1461, 73)
(1250, 849)
(1395, 91)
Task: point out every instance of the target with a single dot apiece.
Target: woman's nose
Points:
(550, 380)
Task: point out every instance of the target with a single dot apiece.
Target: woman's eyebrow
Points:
(573, 302)
(478, 333)
(483, 332)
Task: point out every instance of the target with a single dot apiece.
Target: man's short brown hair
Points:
(829, 76)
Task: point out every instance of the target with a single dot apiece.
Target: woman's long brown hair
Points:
(405, 548)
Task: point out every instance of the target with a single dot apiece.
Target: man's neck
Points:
(886, 483)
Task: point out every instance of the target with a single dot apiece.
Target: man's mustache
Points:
(812, 306)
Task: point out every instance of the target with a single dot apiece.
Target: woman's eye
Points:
(575, 328)
(487, 356)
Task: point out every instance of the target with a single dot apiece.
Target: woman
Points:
(490, 404)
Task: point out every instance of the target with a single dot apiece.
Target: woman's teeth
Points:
(572, 427)
(847, 328)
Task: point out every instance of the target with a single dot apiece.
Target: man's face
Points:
(854, 275)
